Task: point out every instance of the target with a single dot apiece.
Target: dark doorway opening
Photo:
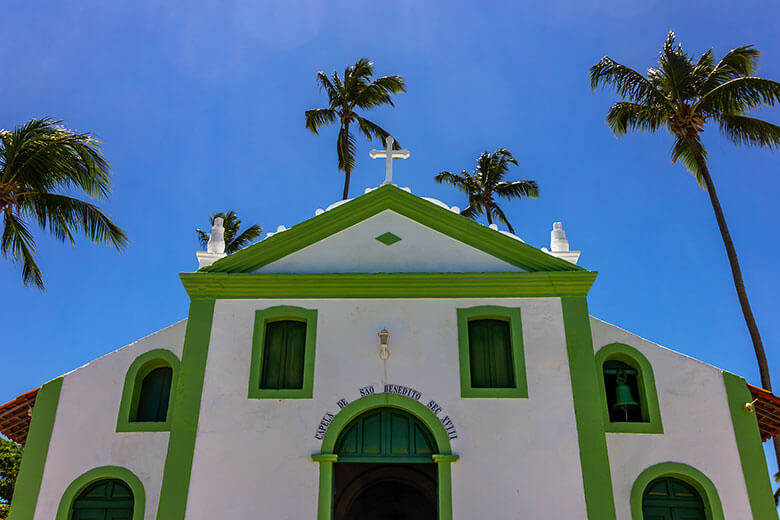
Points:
(395, 491)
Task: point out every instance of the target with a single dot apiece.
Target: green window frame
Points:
(645, 379)
(510, 315)
(141, 367)
(713, 510)
(277, 314)
(93, 476)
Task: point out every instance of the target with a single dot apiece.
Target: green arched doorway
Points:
(385, 468)
(104, 500)
(672, 499)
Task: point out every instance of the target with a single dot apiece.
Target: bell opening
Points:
(622, 389)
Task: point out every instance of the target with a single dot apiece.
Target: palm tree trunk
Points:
(739, 284)
(487, 212)
(347, 167)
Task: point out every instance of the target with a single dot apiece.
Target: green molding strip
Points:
(388, 238)
(138, 370)
(326, 458)
(65, 510)
(713, 510)
(186, 411)
(511, 314)
(28, 483)
(646, 382)
(282, 312)
(387, 285)
(594, 459)
(411, 206)
(749, 446)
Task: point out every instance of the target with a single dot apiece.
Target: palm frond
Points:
(623, 117)
(498, 214)
(346, 147)
(738, 95)
(627, 82)
(65, 215)
(462, 182)
(471, 211)
(743, 130)
(249, 235)
(203, 238)
(682, 152)
(329, 88)
(372, 131)
(517, 189)
(18, 243)
(674, 71)
(319, 117)
(379, 92)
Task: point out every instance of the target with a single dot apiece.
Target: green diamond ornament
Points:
(388, 238)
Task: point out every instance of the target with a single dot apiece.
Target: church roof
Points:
(425, 211)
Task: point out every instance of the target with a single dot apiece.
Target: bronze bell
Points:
(623, 397)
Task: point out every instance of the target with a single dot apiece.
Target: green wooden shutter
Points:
(490, 354)
(283, 354)
(671, 499)
(105, 500)
(385, 433)
(154, 396)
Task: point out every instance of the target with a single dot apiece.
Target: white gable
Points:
(356, 250)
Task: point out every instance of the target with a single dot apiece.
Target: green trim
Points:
(138, 370)
(28, 483)
(688, 474)
(388, 238)
(594, 459)
(749, 446)
(651, 411)
(327, 458)
(390, 197)
(386, 285)
(75, 488)
(283, 312)
(186, 411)
(513, 316)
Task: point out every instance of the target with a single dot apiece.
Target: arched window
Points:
(385, 433)
(672, 498)
(103, 493)
(147, 397)
(154, 396)
(105, 499)
(628, 394)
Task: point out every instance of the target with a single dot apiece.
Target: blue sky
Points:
(200, 108)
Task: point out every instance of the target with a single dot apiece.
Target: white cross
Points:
(389, 154)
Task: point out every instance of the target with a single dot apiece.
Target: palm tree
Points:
(354, 91)
(682, 96)
(486, 182)
(232, 224)
(36, 159)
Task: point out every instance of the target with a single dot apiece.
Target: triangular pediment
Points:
(389, 230)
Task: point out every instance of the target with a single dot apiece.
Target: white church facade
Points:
(391, 359)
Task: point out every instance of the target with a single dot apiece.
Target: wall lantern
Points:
(384, 339)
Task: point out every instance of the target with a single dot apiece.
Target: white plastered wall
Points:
(253, 457)
(696, 420)
(356, 250)
(84, 435)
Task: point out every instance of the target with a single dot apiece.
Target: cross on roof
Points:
(389, 154)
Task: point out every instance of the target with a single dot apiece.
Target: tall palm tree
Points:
(36, 159)
(233, 239)
(345, 96)
(682, 96)
(486, 183)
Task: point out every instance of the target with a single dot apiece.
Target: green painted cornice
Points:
(206, 285)
(393, 198)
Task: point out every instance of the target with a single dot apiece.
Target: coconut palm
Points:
(36, 159)
(486, 183)
(233, 239)
(682, 96)
(345, 95)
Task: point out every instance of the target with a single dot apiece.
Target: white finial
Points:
(389, 154)
(559, 246)
(215, 248)
(216, 243)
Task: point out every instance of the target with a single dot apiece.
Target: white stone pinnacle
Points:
(559, 245)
